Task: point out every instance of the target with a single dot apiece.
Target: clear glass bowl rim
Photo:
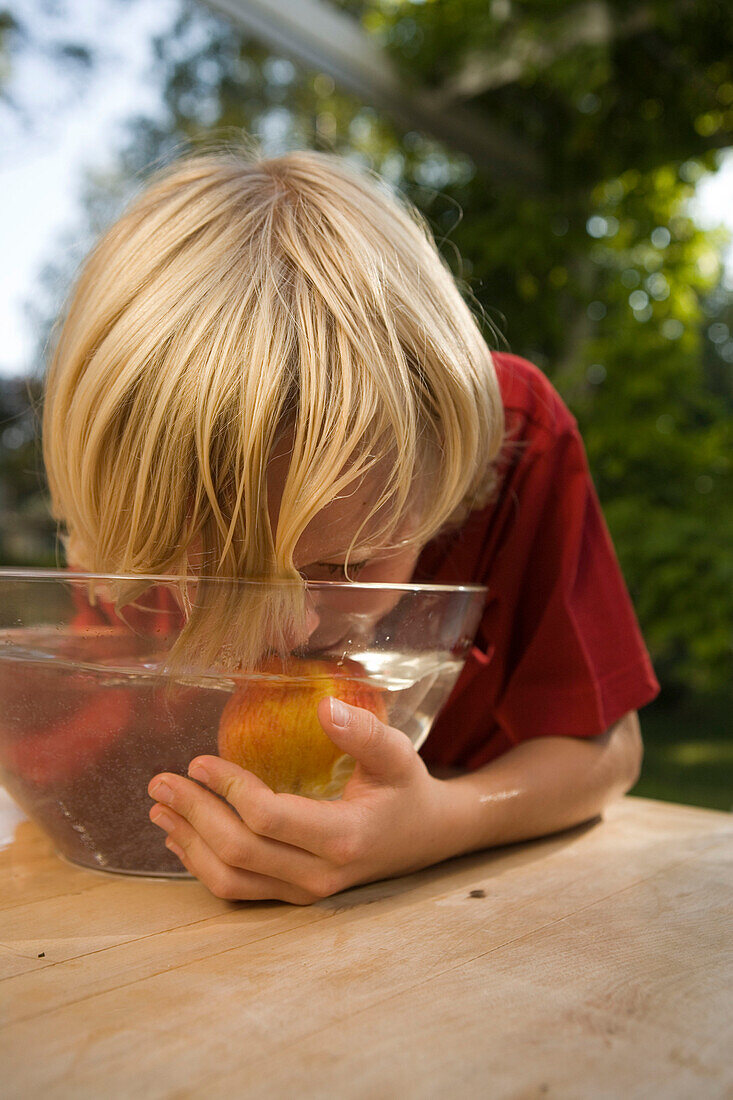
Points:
(169, 578)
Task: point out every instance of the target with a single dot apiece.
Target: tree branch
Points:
(314, 33)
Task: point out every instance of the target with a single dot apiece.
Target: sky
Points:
(66, 122)
(61, 124)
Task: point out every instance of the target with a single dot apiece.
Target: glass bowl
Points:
(90, 710)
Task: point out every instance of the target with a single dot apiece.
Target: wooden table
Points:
(593, 964)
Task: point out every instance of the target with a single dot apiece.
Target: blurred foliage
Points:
(26, 529)
(599, 275)
(34, 36)
(688, 751)
(596, 87)
(602, 278)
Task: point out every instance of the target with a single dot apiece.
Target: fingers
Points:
(188, 810)
(223, 880)
(323, 829)
(386, 754)
(259, 843)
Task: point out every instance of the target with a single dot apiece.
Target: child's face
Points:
(321, 550)
(320, 555)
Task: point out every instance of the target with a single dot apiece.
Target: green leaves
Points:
(602, 279)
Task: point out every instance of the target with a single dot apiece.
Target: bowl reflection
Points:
(90, 710)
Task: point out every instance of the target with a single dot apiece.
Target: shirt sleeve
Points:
(573, 659)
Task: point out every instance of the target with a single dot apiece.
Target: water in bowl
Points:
(87, 719)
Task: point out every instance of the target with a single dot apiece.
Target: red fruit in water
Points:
(270, 725)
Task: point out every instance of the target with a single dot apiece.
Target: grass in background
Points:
(688, 752)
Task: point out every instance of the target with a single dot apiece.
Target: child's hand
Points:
(394, 817)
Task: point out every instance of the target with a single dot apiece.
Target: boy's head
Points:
(253, 341)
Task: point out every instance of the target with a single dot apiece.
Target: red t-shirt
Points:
(558, 651)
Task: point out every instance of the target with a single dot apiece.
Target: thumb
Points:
(383, 752)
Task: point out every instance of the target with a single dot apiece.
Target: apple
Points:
(270, 725)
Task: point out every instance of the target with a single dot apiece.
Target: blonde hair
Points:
(239, 301)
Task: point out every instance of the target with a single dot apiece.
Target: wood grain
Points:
(594, 963)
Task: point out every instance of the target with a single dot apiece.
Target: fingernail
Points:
(174, 848)
(161, 791)
(339, 713)
(198, 771)
(161, 819)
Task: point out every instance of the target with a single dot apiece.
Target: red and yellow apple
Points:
(270, 725)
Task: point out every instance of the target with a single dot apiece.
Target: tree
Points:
(598, 274)
(32, 33)
(604, 279)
